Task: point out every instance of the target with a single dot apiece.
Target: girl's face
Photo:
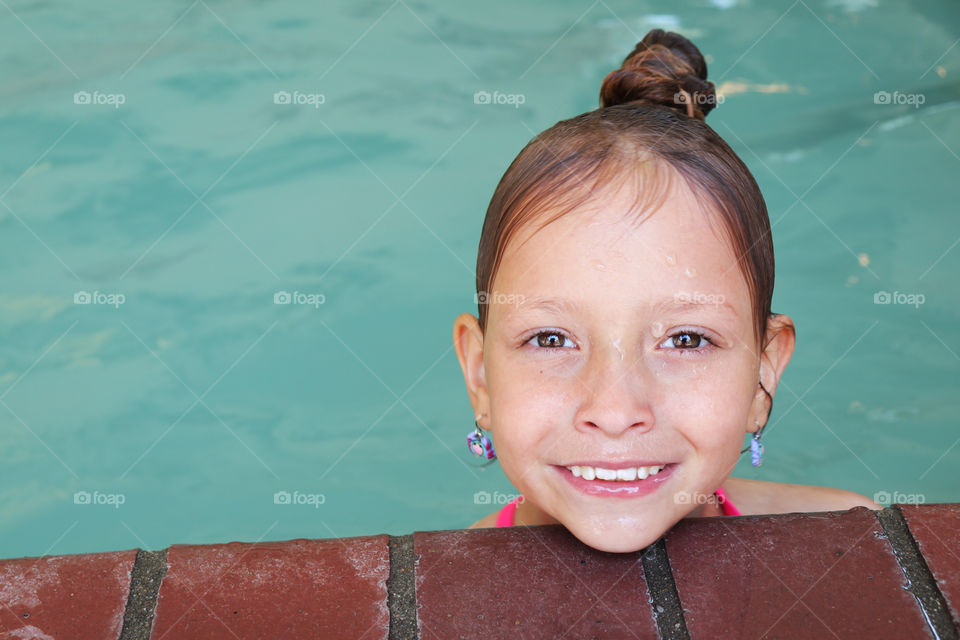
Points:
(592, 356)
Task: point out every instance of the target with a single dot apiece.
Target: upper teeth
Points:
(630, 473)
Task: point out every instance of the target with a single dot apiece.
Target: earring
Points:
(756, 448)
(479, 444)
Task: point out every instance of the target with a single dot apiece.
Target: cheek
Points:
(707, 400)
(527, 400)
(526, 386)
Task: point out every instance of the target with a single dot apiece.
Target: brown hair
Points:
(641, 127)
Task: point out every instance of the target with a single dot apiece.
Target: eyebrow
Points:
(562, 305)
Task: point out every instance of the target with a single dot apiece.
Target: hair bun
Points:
(660, 70)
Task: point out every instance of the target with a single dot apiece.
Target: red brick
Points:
(296, 589)
(527, 582)
(792, 576)
(936, 528)
(79, 597)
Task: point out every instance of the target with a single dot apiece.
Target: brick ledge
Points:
(859, 573)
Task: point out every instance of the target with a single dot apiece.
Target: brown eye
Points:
(687, 340)
(549, 339)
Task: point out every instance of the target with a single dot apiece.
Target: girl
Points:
(625, 343)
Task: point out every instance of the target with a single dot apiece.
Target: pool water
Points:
(170, 170)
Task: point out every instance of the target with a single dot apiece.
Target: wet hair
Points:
(642, 132)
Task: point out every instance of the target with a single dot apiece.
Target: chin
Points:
(616, 539)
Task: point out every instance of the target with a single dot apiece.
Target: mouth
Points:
(617, 480)
(618, 471)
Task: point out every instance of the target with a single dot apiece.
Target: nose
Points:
(618, 393)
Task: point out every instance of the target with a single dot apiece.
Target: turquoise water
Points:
(185, 405)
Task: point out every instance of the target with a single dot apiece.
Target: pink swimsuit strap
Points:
(505, 517)
(725, 504)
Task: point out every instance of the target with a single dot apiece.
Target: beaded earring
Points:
(479, 444)
(756, 448)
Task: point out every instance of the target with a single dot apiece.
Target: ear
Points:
(780, 338)
(468, 342)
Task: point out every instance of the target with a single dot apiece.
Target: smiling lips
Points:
(627, 480)
(627, 474)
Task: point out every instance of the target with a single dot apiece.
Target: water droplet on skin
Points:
(671, 259)
(616, 345)
(598, 265)
(657, 329)
(690, 271)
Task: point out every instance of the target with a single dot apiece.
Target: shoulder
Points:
(487, 521)
(754, 497)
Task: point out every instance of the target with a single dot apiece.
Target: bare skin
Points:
(617, 372)
(752, 497)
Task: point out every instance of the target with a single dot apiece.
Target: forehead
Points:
(603, 249)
